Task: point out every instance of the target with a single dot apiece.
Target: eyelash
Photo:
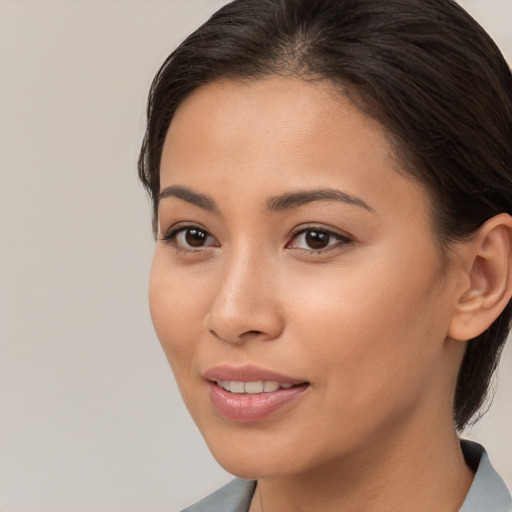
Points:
(338, 237)
(172, 234)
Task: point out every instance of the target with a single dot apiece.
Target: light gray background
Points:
(90, 419)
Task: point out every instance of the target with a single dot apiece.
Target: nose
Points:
(245, 306)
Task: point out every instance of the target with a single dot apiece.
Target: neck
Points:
(421, 472)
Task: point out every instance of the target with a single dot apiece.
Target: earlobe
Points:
(489, 262)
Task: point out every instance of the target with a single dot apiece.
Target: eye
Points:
(315, 239)
(189, 238)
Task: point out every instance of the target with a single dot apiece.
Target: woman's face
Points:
(293, 251)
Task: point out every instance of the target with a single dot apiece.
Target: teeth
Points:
(270, 386)
(260, 386)
(223, 384)
(254, 387)
(236, 387)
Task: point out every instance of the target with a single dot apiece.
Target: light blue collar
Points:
(488, 492)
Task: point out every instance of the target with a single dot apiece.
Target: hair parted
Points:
(424, 69)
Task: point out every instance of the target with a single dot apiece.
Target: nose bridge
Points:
(245, 304)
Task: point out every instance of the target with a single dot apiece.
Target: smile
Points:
(249, 393)
(244, 406)
(256, 387)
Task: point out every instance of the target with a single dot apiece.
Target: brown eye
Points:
(195, 237)
(317, 240)
(190, 238)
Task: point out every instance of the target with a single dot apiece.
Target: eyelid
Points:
(170, 236)
(341, 237)
(179, 226)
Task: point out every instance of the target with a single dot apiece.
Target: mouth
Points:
(251, 394)
(255, 387)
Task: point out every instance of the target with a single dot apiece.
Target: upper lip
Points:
(247, 373)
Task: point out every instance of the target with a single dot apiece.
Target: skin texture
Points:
(365, 321)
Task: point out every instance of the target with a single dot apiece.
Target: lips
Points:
(248, 373)
(250, 393)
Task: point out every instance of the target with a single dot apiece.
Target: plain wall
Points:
(90, 418)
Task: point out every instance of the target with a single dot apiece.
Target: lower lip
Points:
(252, 407)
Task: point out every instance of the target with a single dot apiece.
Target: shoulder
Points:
(234, 497)
(488, 492)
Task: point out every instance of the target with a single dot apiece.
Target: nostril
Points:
(237, 338)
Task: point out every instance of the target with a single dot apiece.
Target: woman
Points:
(332, 190)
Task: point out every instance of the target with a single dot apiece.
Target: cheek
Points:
(177, 310)
(370, 327)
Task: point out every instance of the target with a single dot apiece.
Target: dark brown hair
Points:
(424, 69)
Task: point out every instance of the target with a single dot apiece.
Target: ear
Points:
(487, 260)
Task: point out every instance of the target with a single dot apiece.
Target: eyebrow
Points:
(278, 203)
(185, 194)
(296, 199)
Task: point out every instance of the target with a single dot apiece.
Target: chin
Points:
(244, 456)
(254, 453)
(251, 467)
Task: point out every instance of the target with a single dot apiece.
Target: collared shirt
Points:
(488, 492)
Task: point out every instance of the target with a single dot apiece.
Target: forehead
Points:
(269, 117)
(267, 136)
(293, 105)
